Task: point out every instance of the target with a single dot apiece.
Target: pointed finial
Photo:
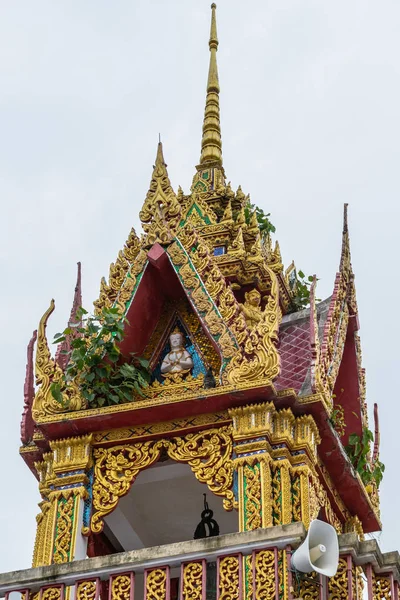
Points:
(160, 156)
(345, 259)
(27, 424)
(61, 357)
(211, 140)
(345, 222)
(159, 138)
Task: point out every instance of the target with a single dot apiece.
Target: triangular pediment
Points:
(169, 295)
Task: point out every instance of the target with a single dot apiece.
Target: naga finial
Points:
(43, 356)
(27, 424)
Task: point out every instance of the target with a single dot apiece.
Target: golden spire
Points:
(211, 140)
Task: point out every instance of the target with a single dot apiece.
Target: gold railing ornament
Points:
(193, 580)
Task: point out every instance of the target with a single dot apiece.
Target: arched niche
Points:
(203, 457)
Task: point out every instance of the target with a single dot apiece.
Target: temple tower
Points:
(206, 368)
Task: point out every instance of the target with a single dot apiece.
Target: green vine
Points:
(264, 224)
(337, 419)
(358, 450)
(300, 284)
(95, 362)
(302, 288)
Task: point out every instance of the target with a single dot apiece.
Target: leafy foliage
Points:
(337, 419)
(302, 291)
(358, 450)
(95, 362)
(302, 284)
(263, 220)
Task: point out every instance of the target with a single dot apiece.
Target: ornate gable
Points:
(207, 302)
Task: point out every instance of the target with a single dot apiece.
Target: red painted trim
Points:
(289, 570)
(241, 590)
(350, 577)
(323, 587)
(395, 588)
(204, 580)
(131, 575)
(253, 568)
(370, 591)
(205, 403)
(276, 573)
(347, 388)
(392, 588)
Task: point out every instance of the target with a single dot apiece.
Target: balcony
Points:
(252, 565)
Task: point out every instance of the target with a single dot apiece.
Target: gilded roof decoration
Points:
(118, 272)
(27, 424)
(47, 372)
(65, 346)
(343, 305)
(205, 265)
(160, 214)
(211, 140)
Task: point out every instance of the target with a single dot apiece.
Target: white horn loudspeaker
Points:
(319, 552)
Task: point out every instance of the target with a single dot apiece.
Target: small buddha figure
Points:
(178, 360)
(252, 308)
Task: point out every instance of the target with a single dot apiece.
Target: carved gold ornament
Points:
(63, 536)
(381, 587)
(160, 214)
(261, 362)
(86, 590)
(338, 585)
(265, 574)
(253, 509)
(121, 587)
(115, 469)
(229, 578)
(48, 372)
(193, 575)
(208, 453)
(156, 584)
(118, 272)
(51, 593)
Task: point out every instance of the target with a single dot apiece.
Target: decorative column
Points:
(252, 461)
(64, 483)
(274, 456)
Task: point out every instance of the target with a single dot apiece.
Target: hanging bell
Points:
(208, 527)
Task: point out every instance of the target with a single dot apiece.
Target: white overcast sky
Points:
(310, 96)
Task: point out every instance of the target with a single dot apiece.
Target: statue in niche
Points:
(251, 308)
(178, 360)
